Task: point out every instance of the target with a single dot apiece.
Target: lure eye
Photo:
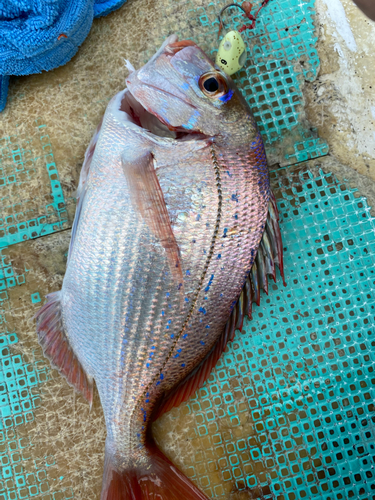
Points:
(213, 84)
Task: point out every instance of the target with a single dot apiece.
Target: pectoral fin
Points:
(148, 198)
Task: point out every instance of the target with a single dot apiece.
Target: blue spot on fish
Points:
(202, 342)
(188, 273)
(202, 310)
(186, 299)
(161, 376)
(172, 335)
(185, 336)
(177, 356)
(227, 97)
(147, 365)
(209, 283)
(183, 365)
(192, 120)
(219, 256)
(235, 197)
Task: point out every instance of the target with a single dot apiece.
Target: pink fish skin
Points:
(174, 200)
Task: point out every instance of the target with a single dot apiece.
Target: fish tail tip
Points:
(156, 478)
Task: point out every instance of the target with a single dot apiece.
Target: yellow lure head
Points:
(231, 55)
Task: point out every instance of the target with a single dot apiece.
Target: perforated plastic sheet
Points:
(267, 424)
(27, 164)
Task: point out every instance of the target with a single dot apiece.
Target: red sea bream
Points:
(175, 232)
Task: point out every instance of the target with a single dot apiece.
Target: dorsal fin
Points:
(270, 253)
(56, 348)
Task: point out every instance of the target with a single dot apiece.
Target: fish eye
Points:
(213, 84)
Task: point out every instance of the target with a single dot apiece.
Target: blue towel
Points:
(37, 35)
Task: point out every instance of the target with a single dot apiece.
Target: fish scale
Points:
(169, 222)
(217, 307)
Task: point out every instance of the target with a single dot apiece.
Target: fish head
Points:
(187, 92)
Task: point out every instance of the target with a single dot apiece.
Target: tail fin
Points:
(157, 479)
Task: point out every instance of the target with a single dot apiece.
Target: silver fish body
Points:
(146, 296)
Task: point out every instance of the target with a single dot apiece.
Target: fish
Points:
(176, 229)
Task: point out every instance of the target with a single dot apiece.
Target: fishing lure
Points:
(231, 55)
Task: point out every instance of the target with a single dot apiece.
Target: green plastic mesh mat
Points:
(281, 56)
(29, 162)
(289, 412)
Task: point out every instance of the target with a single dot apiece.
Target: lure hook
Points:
(246, 9)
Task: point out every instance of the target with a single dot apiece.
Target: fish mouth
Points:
(154, 123)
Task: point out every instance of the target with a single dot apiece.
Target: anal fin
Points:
(196, 378)
(56, 348)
